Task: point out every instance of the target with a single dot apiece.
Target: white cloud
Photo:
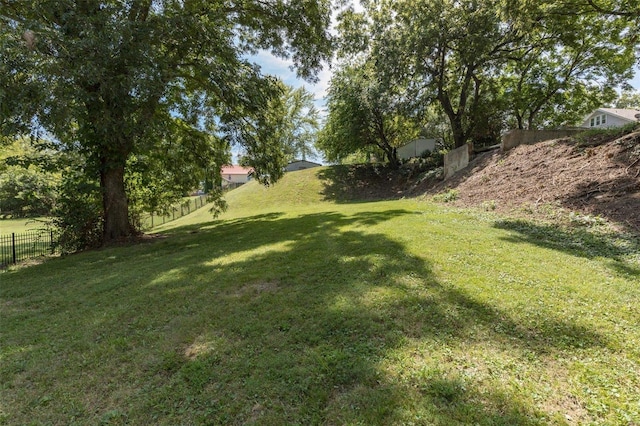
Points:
(282, 68)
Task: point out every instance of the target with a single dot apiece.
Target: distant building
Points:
(416, 148)
(611, 117)
(235, 175)
(300, 165)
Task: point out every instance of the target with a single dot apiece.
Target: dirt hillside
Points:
(593, 177)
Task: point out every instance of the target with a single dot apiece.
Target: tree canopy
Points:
(491, 64)
(122, 81)
(363, 114)
(27, 182)
(628, 99)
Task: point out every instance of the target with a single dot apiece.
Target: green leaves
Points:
(488, 65)
(152, 79)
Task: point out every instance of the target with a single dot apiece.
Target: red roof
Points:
(236, 170)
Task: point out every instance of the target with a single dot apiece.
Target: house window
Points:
(593, 121)
(604, 119)
(597, 120)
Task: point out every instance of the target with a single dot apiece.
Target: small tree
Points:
(363, 113)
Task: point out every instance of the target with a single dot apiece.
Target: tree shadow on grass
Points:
(288, 320)
(311, 336)
(578, 242)
(364, 182)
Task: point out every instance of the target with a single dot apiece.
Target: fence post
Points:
(13, 246)
(53, 249)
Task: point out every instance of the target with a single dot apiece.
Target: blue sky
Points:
(636, 80)
(281, 68)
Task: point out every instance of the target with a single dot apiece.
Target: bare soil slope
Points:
(595, 177)
(599, 178)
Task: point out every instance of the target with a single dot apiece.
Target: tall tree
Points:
(363, 112)
(567, 66)
(112, 79)
(302, 122)
(483, 62)
(451, 50)
(293, 122)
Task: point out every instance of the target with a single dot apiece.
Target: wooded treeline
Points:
(465, 70)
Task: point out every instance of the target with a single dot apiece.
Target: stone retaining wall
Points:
(517, 137)
(456, 160)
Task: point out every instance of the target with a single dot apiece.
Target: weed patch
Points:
(446, 197)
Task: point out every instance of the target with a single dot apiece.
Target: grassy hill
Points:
(299, 307)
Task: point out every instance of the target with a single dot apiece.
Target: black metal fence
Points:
(149, 221)
(16, 247)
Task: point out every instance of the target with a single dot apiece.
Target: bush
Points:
(594, 137)
(78, 213)
(446, 197)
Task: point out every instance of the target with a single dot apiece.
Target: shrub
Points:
(593, 137)
(78, 213)
(447, 197)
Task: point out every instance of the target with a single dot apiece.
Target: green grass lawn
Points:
(293, 309)
(8, 226)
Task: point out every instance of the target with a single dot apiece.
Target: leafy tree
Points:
(628, 99)
(624, 8)
(115, 80)
(451, 50)
(27, 184)
(363, 113)
(567, 66)
(484, 63)
(292, 121)
(156, 180)
(302, 121)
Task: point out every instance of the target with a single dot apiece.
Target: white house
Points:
(416, 148)
(611, 117)
(300, 165)
(235, 175)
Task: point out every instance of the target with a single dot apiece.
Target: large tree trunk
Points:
(392, 156)
(114, 204)
(455, 120)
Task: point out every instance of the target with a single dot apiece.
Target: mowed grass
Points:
(292, 309)
(8, 226)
